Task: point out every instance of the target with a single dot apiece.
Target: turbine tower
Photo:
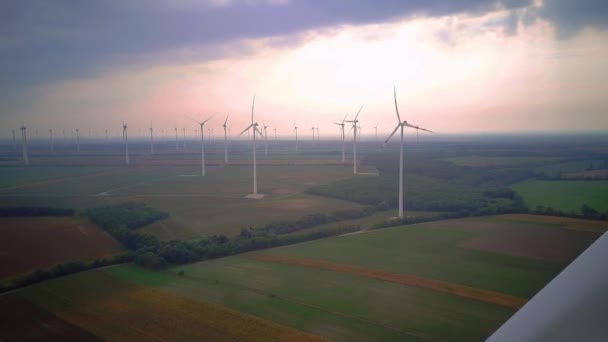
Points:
(151, 139)
(313, 135)
(225, 126)
(265, 139)
(318, 134)
(176, 141)
(125, 138)
(77, 141)
(202, 124)
(341, 125)
(275, 135)
(26, 159)
(354, 128)
(401, 125)
(254, 126)
(184, 129)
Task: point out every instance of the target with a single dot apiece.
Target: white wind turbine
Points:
(26, 159)
(125, 138)
(401, 125)
(77, 140)
(176, 141)
(275, 135)
(265, 130)
(354, 128)
(254, 126)
(184, 129)
(313, 135)
(225, 126)
(318, 134)
(151, 139)
(202, 124)
(341, 125)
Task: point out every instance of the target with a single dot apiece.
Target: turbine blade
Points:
(259, 132)
(194, 120)
(417, 127)
(211, 117)
(226, 119)
(344, 117)
(356, 116)
(396, 107)
(246, 129)
(390, 136)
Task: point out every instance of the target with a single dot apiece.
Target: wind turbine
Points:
(225, 126)
(275, 135)
(401, 125)
(202, 124)
(176, 141)
(77, 141)
(313, 135)
(151, 139)
(318, 134)
(51, 140)
(354, 128)
(254, 126)
(295, 128)
(341, 125)
(125, 138)
(184, 129)
(26, 159)
(265, 130)
(376, 128)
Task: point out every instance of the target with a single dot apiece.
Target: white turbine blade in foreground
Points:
(396, 107)
(246, 129)
(572, 307)
(391, 135)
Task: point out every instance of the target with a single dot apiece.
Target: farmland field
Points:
(567, 196)
(444, 280)
(40, 242)
(197, 206)
(483, 161)
(95, 305)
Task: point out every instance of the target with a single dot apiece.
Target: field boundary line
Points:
(464, 291)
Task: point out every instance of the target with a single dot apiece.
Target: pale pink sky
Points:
(453, 74)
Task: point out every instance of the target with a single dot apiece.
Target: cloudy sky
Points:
(458, 65)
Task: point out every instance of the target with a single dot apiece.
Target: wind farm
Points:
(459, 186)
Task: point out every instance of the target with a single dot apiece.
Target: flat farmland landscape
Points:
(31, 243)
(198, 206)
(444, 280)
(564, 195)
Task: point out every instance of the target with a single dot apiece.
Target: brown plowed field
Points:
(403, 279)
(30, 243)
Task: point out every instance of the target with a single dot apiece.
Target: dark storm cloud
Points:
(49, 40)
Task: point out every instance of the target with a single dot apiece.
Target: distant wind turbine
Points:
(77, 140)
(225, 126)
(202, 124)
(354, 128)
(341, 125)
(184, 129)
(176, 140)
(26, 159)
(151, 139)
(275, 135)
(401, 125)
(265, 130)
(125, 137)
(254, 126)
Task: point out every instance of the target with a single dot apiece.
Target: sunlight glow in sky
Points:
(462, 72)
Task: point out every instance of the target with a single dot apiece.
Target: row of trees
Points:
(586, 212)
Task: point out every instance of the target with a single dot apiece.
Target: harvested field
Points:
(26, 321)
(114, 309)
(50, 241)
(403, 279)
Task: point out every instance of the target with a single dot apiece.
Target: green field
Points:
(567, 196)
(486, 161)
(198, 206)
(509, 254)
